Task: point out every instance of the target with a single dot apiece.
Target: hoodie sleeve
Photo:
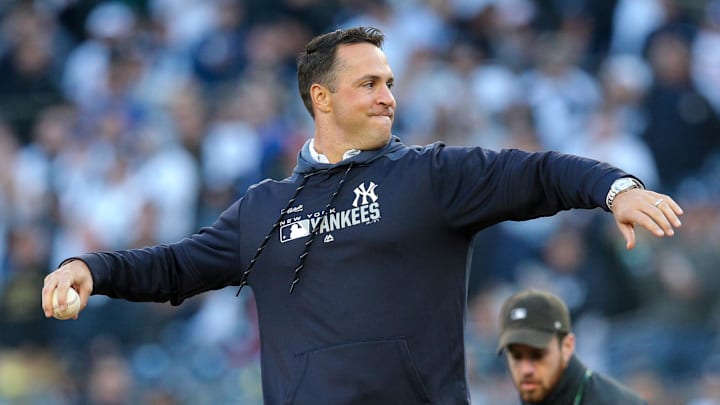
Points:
(208, 260)
(479, 187)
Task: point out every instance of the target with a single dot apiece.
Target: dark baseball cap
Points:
(531, 317)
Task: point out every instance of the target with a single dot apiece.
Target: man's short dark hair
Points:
(316, 63)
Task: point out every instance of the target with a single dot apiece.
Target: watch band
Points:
(620, 186)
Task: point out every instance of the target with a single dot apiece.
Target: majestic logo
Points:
(361, 191)
(365, 211)
(292, 210)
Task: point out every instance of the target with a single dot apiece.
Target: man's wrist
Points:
(620, 186)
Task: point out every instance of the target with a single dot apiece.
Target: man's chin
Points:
(531, 397)
(382, 134)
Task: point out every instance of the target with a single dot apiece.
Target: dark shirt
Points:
(579, 386)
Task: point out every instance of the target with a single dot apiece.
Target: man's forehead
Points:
(354, 56)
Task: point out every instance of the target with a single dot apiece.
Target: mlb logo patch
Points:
(295, 230)
(518, 313)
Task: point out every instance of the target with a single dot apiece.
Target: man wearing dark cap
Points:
(538, 343)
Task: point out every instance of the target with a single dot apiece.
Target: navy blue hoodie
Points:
(378, 312)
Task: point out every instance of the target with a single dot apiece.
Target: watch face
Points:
(622, 184)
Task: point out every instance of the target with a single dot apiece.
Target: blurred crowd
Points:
(136, 122)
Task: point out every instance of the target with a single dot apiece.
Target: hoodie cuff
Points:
(99, 273)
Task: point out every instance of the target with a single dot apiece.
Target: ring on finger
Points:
(658, 202)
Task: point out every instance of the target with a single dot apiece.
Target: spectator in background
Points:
(8, 152)
(30, 194)
(220, 55)
(110, 381)
(38, 166)
(562, 95)
(625, 79)
(30, 67)
(87, 72)
(605, 139)
(673, 332)
(409, 27)
(168, 178)
(683, 128)
(706, 55)
(537, 341)
(574, 264)
(633, 21)
(28, 244)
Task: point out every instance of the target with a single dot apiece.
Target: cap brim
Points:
(530, 337)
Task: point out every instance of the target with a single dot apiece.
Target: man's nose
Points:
(527, 367)
(386, 97)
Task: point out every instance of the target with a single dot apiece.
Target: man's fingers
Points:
(628, 233)
(658, 213)
(670, 210)
(60, 280)
(84, 297)
(64, 283)
(655, 222)
(48, 288)
(666, 219)
(664, 213)
(673, 205)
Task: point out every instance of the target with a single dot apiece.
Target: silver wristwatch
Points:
(619, 186)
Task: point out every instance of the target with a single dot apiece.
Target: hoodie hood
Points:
(306, 164)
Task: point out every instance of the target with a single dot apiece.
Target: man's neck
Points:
(321, 157)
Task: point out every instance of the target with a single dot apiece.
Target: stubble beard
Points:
(541, 392)
(534, 396)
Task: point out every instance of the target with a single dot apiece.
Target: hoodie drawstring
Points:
(313, 233)
(246, 273)
(315, 230)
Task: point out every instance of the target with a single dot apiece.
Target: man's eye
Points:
(515, 355)
(369, 85)
(536, 355)
(533, 356)
(390, 85)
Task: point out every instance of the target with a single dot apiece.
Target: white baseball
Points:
(73, 305)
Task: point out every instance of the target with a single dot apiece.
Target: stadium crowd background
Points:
(136, 122)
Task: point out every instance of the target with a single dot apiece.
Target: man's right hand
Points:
(75, 274)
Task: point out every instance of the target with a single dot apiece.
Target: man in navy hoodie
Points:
(358, 260)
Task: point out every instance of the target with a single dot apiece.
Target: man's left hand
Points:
(658, 213)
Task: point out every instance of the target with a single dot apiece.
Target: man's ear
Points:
(320, 96)
(568, 347)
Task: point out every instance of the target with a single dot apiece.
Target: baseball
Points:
(73, 305)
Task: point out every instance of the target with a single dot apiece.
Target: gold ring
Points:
(658, 202)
